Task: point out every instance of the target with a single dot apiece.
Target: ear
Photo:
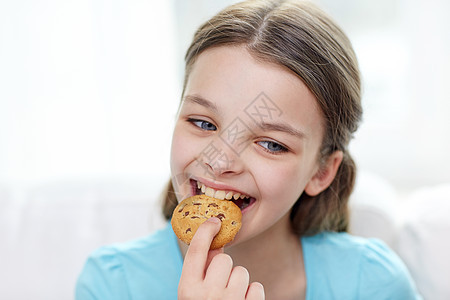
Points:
(325, 175)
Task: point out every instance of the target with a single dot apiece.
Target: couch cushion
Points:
(424, 240)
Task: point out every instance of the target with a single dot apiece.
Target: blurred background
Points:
(88, 95)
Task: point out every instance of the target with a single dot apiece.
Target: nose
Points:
(219, 159)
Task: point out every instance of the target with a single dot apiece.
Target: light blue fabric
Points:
(342, 266)
(147, 268)
(337, 265)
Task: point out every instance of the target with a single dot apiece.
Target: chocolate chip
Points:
(213, 205)
(186, 213)
(194, 217)
(220, 216)
(181, 207)
(188, 230)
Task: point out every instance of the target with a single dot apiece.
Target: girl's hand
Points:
(209, 274)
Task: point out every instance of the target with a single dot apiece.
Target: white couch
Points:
(415, 224)
(48, 231)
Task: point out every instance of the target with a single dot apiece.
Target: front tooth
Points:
(229, 195)
(243, 196)
(236, 196)
(219, 195)
(203, 188)
(209, 192)
(198, 184)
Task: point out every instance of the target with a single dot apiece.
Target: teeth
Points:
(220, 194)
(209, 192)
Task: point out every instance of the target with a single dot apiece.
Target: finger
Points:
(238, 283)
(219, 271)
(255, 291)
(197, 253)
(211, 255)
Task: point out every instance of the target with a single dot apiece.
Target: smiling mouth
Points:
(241, 200)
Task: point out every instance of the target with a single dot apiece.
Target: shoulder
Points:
(152, 262)
(152, 249)
(353, 252)
(366, 267)
(161, 241)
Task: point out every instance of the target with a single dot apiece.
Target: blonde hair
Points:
(302, 38)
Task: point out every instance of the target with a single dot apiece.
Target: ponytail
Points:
(169, 201)
(329, 209)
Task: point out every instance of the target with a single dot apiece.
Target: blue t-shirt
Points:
(337, 266)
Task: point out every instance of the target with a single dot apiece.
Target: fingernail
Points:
(214, 220)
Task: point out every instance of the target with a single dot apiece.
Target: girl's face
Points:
(246, 127)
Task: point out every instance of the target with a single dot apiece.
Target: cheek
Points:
(284, 184)
(180, 153)
(180, 158)
(186, 149)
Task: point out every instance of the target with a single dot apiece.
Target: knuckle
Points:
(241, 270)
(242, 273)
(223, 258)
(195, 249)
(256, 289)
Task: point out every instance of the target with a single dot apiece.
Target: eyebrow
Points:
(201, 101)
(283, 128)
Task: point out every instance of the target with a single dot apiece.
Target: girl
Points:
(271, 99)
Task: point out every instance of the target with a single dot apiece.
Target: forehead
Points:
(231, 78)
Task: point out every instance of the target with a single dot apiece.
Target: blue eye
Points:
(272, 147)
(203, 124)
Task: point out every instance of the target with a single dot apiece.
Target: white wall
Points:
(88, 89)
(402, 47)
